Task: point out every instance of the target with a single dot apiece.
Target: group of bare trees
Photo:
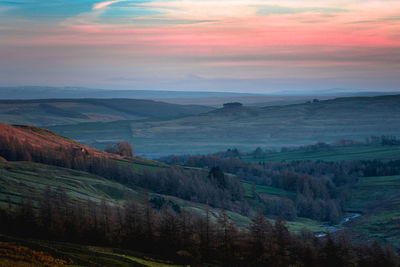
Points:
(121, 148)
(184, 237)
(315, 189)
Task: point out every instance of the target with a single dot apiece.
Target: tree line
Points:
(318, 189)
(185, 237)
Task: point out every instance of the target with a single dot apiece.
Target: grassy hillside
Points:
(249, 127)
(35, 138)
(27, 180)
(20, 252)
(333, 153)
(378, 199)
(72, 111)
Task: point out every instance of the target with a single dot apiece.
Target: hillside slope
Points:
(118, 180)
(45, 141)
(28, 180)
(378, 199)
(20, 146)
(71, 111)
(249, 127)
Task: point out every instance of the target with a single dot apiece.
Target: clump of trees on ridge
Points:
(121, 148)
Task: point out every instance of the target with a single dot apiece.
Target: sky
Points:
(227, 45)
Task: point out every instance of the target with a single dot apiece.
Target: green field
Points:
(333, 153)
(378, 198)
(263, 189)
(369, 192)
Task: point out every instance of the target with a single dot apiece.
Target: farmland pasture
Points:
(332, 153)
(263, 189)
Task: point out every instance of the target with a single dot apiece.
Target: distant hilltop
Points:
(47, 92)
(233, 105)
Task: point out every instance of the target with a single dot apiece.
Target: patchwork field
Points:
(333, 153)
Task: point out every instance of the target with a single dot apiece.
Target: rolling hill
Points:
(249, 127)
(71, 111)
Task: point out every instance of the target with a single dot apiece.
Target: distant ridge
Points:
(47, 92)
(335, 92)
(50, 92)
(72, 111)
(247, 128)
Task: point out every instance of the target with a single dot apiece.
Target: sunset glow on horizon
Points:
(226, 45)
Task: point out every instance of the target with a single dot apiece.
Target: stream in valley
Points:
(334, 228)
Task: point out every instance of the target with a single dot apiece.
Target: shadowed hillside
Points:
(72, 111)
(249, 127)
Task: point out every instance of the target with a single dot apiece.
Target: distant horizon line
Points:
(285, 92)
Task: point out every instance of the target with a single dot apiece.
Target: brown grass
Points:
(12, 254)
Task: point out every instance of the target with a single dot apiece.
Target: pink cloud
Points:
(230, 38)
(106, 4)
(244, 35)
